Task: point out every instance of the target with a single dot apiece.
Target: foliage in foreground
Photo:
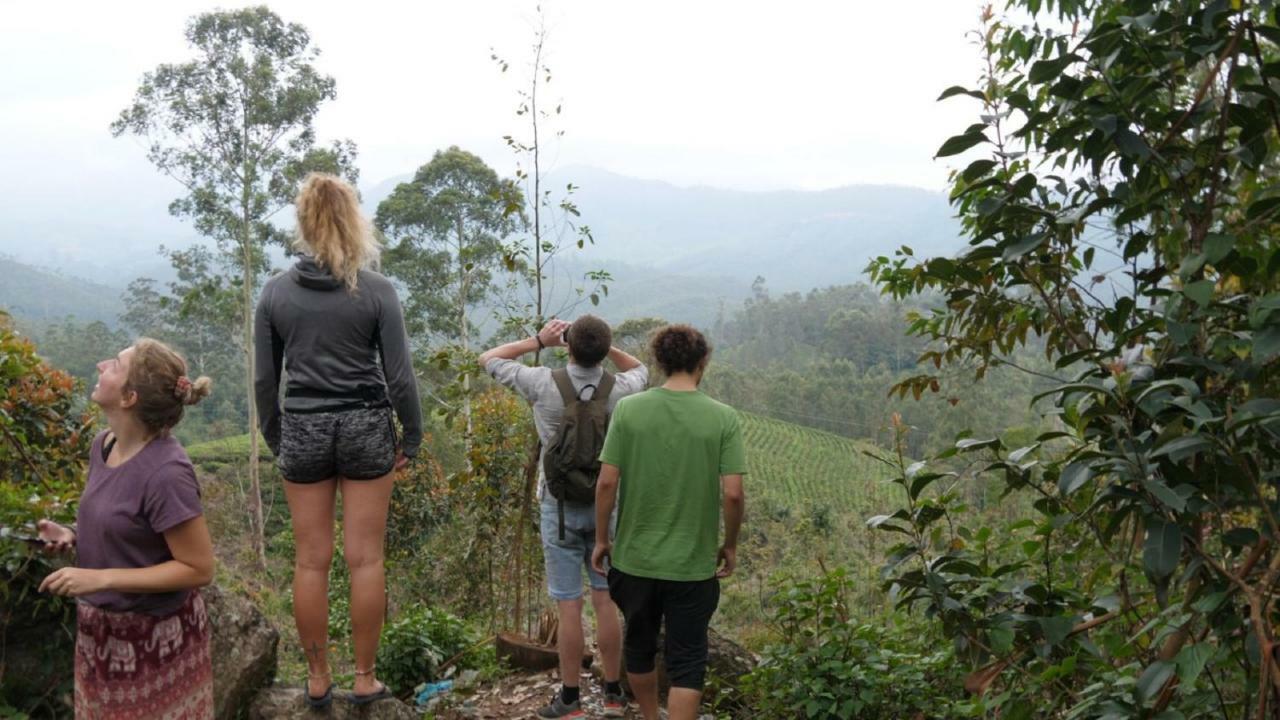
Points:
(1127, 218)
(44, 443)
(830, 662)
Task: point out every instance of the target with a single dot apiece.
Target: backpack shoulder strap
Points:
(565, 386)
(603, 389)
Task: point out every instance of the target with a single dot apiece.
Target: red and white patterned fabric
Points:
(131, 666)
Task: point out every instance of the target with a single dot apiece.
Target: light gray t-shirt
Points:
(536, 385)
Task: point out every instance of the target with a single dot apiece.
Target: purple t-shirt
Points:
(124, 512)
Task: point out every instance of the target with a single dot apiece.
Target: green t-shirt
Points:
(671, 448)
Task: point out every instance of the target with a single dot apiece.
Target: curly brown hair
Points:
(680, 348)
(158, 374)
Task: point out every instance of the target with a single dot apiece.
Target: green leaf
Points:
(1201, 292)
(1055, 629)
(1263, 208)
(1163, 549)
(1074, 476)
(1181, 448)
(1191, 662)
(1130, 144)
(1023, 246)
(1166, 495)
(976, 444)
(977, 169)
(958, 90)
(1266, 344)
(1153, 679)
(960, 143)
(1217, 247)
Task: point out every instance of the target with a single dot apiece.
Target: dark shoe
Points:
(323, 701)
(382, 693)
(558, 708)
(615, 706)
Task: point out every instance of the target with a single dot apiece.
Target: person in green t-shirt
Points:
(672, 459)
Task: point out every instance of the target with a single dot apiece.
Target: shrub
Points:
(825, 664)
(44, 444)
(415, 644)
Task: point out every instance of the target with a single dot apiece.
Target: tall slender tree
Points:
(233, 125)
(448, 226)
(552, 226)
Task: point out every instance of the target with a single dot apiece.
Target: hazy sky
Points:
(740, 94)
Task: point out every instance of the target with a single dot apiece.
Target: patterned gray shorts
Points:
(357, 444)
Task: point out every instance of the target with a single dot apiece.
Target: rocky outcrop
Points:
(244, 646)
(279, 703)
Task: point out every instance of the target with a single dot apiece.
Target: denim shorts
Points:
(566, 559)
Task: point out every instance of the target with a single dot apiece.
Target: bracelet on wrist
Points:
(541, 346)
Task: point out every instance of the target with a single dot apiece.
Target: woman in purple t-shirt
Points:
(142, 549)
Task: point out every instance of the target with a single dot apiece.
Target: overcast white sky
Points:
(752, 95)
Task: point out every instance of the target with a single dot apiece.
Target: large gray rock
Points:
(280, 703)
(244, 646)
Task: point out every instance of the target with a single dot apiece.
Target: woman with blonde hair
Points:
(142, 548)
(338, 329)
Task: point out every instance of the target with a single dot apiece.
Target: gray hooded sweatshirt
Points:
(335, 344)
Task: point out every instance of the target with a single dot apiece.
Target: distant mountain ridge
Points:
(795, 239)
(680, 253)
(41, 295)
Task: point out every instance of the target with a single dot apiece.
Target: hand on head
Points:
(552, 333)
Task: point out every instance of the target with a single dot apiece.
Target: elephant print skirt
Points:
(131, 666)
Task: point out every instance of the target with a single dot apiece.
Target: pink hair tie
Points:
(181, 387)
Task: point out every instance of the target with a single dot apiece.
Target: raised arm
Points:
(623, 360)
(549, 336)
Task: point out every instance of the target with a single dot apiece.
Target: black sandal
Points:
(324, 700)
(382, 693)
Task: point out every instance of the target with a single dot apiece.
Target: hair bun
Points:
(197, 390)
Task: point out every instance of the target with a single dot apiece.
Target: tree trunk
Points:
(257, 529)
(464, 286)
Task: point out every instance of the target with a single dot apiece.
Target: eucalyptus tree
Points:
(447, 229)
(234, 126)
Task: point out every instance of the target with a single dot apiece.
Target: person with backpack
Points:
(571, 409)
(673, 459)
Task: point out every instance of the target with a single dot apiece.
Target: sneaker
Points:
(615, 706)
(558, 708)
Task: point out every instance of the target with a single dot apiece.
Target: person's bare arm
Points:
(734, 504)
(550, 336)
(606, 498)
(623, 360)
(191, 566)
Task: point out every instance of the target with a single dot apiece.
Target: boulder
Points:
(244, 646)
(281, 703)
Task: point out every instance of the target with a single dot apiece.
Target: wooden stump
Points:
(526, 654)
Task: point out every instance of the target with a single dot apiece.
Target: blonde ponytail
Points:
(332, 228)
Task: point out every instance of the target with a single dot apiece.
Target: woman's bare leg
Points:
(311, 509)
(364, 529)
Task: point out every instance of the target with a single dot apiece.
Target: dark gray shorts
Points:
(358, 444)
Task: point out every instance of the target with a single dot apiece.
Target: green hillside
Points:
(795, 465)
